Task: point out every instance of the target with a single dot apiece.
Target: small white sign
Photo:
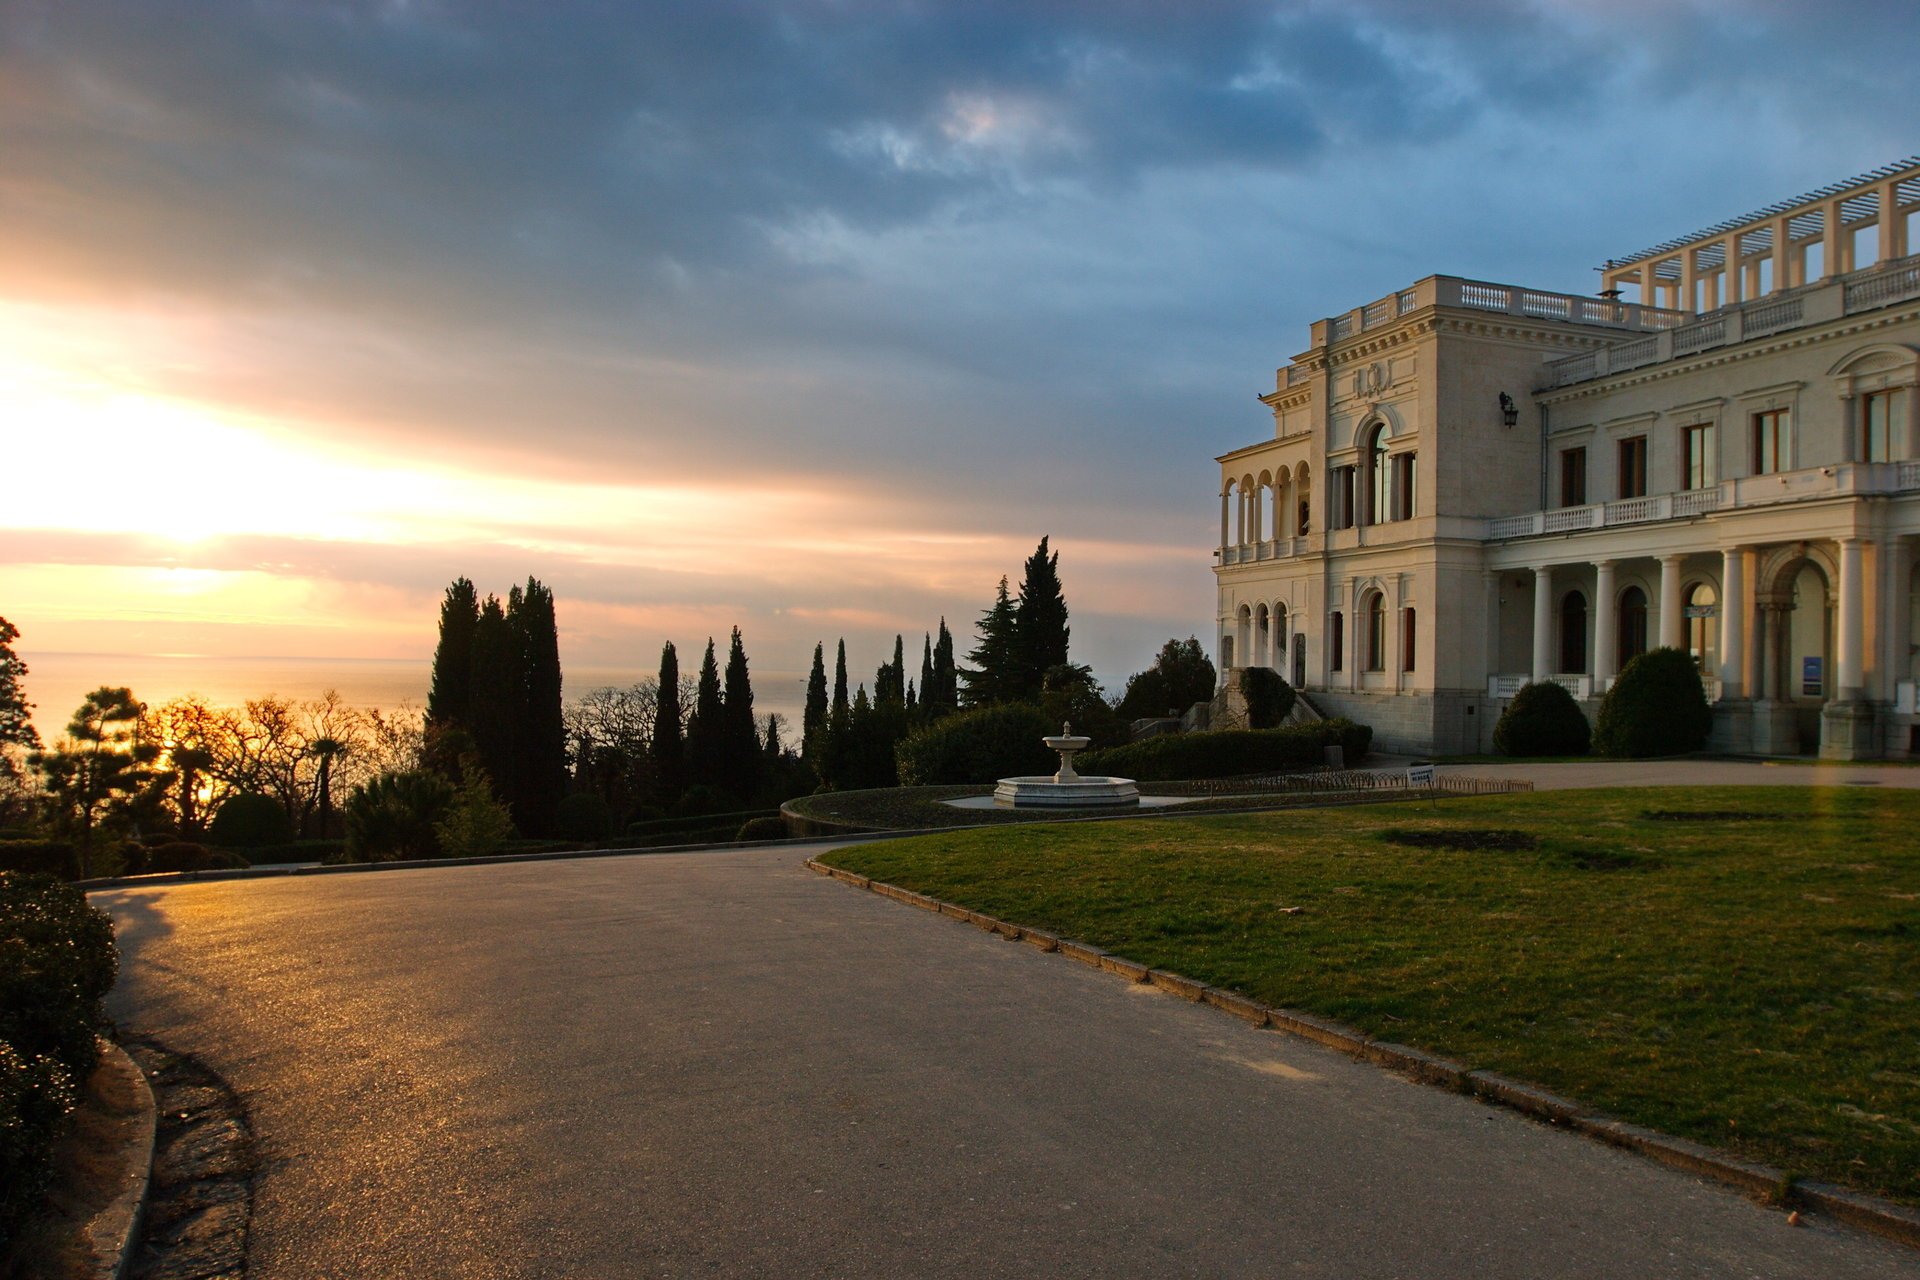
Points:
(1420, 775)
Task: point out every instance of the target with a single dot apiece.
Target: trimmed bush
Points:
(183, 855)
(1542, 720)
(1269, 697)
(247, 821)
(585, 816)
(1226, 753)
(392, 818)
(979, 746)
(40, 857)
(763, 829)
(1658, 707)
(36, 1096)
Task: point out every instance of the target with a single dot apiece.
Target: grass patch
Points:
(1750, 984)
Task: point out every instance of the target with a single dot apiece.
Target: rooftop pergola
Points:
(1781, 247)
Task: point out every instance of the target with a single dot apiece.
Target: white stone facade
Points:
(1473, 485)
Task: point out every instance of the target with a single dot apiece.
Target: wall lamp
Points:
(1509, 411)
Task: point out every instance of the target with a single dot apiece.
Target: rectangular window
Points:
(1772, 441)
(1633, 467)
(1573, 477)
(1337, 641)
(1698, 461)
(1406, 640)
(1879, 412)
(1403, 479)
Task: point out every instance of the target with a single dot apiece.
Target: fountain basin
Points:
(1043, 791)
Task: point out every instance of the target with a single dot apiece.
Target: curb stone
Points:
(1762, 1182)
(110, 1234)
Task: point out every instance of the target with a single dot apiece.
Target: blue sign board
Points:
(1810, 677)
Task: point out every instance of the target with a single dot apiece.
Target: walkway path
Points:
(721, 1064)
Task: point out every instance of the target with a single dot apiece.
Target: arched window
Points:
(1703, 626)
(1633, 624)
(1376, 609)
(1337, 640)
(1573, 632)
(1379, 479)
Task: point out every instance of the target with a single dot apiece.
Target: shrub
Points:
(474, 823)
(701, 799)
(1657, 707)
(1542, 720)
(36, 1095)
(763, 829)
(182, 855)
(1225, 753)
(1269, 697)
(978, 746)
(585, 816)
(393, 817)
(247, 821)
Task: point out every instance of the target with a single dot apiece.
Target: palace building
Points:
(1470, 486)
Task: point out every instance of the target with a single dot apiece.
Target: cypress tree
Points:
(913, 702)
(740, 742)
(1040, 623)
(995, 676)
(496, 692)
(668, 748)
(926, 670)
(840, 680)
(814, 718)
(541, 781)
(942, 694)
(706, 732)
(448, 697)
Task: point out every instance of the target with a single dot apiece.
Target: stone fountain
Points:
(1065, 789)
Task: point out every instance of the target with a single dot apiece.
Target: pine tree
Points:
(541, 776)
(706, 732)
(814, 719)
(668, 748)
(740, 746)
(995, 676)
(449, 697)
(1040, 623)
(16, 713)
(97, 774)
(840, 681)
(497, 692)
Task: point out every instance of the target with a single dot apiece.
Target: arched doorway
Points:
(1701, 611)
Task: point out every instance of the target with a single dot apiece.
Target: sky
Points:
(805, 316)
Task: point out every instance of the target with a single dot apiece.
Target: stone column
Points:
(1606, 632)
(1673, 627)
(1849, 427)
(1542, 622)
(1490, 608)
(1893, 223)
(1226, 520)
(1895, 612)
(1733, 622)
(1258, 513)
(1850, 625)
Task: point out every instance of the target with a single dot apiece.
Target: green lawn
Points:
(1748, 976)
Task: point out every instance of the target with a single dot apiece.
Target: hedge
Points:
(40, 857)
(1226, 753)
(57, 962)
(979, 746)
(248, 821)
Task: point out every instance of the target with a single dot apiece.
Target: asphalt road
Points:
(722, 1065)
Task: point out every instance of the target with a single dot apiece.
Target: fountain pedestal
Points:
(1066, 789)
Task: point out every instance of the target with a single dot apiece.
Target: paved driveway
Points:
(722, 1065)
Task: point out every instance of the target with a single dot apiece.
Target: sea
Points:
(56, 683)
